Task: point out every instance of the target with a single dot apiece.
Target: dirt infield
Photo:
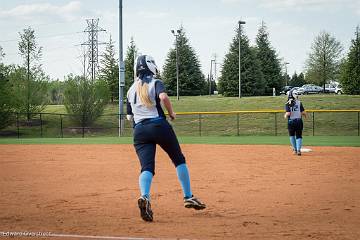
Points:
(252, 192)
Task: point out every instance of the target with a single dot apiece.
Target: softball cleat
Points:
(145, 209)
(193, 202)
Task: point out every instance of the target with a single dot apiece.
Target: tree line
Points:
(261, 67)
(27, 88)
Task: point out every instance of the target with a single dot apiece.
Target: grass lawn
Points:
(219, 103)
(272, 140)
(244, 124)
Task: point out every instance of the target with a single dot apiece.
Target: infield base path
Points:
(252, 192)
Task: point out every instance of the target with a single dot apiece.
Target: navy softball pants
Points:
(150, 133)
(295, 127)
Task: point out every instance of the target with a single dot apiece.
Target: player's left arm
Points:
(164, 98)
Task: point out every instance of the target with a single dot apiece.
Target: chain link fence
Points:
(236, 123)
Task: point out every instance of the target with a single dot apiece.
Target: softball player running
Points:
(144, 100)
(294, 112)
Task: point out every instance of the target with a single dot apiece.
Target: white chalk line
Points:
(109, 237)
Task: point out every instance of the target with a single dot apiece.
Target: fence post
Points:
(61, 126)
(122, 124)
(119, 125)
(313, 123)
(41, 125)
(83, 125)
(17, 125)
(275, 124)
(238, 124)
(200, 124)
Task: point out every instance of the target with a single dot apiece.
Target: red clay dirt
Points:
(252, 192)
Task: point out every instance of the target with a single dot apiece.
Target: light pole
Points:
(215, 73)
(240, 22)
(286, 75)
(210, 76)
(121, 73)
(177, 62)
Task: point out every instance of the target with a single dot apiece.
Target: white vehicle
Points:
(333, 87)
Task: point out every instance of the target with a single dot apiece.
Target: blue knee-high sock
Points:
(293, 142)
(298, 144)
(145, 180)
(184, 178)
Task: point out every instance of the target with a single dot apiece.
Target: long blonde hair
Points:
(142, 90)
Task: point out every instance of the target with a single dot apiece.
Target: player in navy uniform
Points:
(151, 128)
(294, 112)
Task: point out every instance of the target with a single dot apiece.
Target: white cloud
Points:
(231, 1)
(290, 40)
(328, 6)
(152, 15)
(26, 11)
(287, 28)
(281, 5)
(297, 4)
(358, 8)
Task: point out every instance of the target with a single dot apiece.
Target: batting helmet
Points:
(145, 64)
(292, 96)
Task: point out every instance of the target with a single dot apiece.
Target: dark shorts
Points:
(295, 127)
(148, 135)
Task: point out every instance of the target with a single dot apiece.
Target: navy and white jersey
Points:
(295, 110)
(138, 109)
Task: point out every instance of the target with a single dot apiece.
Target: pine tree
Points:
(350, 74)
(293, 80)
(269, 62)
(191, 79)
(2, 54)
(300, 80)
(297, 80)
(252, 82)
(285, 79)
(323, 62)
(109, 71)
(131, 54)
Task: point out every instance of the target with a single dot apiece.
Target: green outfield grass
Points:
(353, 141)
(245, 124)
(219, 103)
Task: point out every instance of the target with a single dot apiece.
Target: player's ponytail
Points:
(142, 90)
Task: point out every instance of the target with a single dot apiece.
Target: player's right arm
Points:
(287, 111)
(287, 115)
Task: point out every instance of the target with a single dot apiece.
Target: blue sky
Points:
(210, 26)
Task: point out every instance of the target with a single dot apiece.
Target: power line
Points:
(46, 36)
(44, 24)
(46, 50)
(57, 48)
